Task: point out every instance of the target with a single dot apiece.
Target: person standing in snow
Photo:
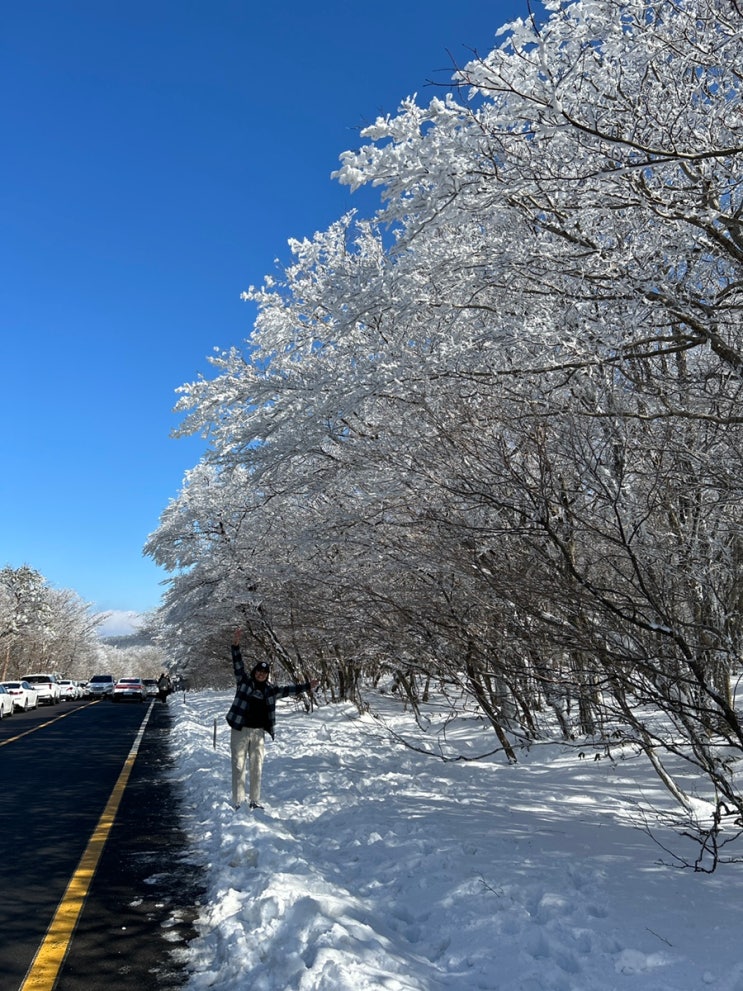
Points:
(251, 715)
(164, 687)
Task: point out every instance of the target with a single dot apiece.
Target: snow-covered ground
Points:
(375, 866)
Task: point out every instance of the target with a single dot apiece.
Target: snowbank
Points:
(375, 866)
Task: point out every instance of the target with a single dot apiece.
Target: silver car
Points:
(101, 686)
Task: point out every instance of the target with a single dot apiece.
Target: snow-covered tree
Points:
(43, 627)
(493, 434)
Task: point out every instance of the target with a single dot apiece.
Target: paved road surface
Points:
(58, 769)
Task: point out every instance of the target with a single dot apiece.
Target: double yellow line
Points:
(44, 970)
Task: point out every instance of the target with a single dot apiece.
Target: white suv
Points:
(47, 687)
(101, 686)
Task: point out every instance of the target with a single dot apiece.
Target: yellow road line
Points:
(44, 970)
(12, 739)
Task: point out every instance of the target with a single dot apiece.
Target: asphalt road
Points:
(58, 769)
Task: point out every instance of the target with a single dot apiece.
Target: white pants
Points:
(247, 747)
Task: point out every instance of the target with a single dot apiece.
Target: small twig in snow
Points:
(661, 938)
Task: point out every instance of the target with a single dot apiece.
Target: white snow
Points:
(375, 866)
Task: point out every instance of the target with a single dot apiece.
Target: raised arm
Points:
(296, 689)
(237, 658)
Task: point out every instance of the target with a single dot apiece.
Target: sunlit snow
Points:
(375, 866)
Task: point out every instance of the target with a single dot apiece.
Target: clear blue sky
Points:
(157, 155)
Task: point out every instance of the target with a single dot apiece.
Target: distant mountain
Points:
(120, 623)
(137, 639)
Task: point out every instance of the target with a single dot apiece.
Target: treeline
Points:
(48, 629)
(492, 437)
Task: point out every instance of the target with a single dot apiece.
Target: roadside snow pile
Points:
(375, 866)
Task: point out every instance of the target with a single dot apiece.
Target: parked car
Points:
(129, 690)
(151, 685)
(47, 686)
(68, 689)
(101, 686)
(24, 695)
(7, 707)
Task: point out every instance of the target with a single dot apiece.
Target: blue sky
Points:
(157, 155)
